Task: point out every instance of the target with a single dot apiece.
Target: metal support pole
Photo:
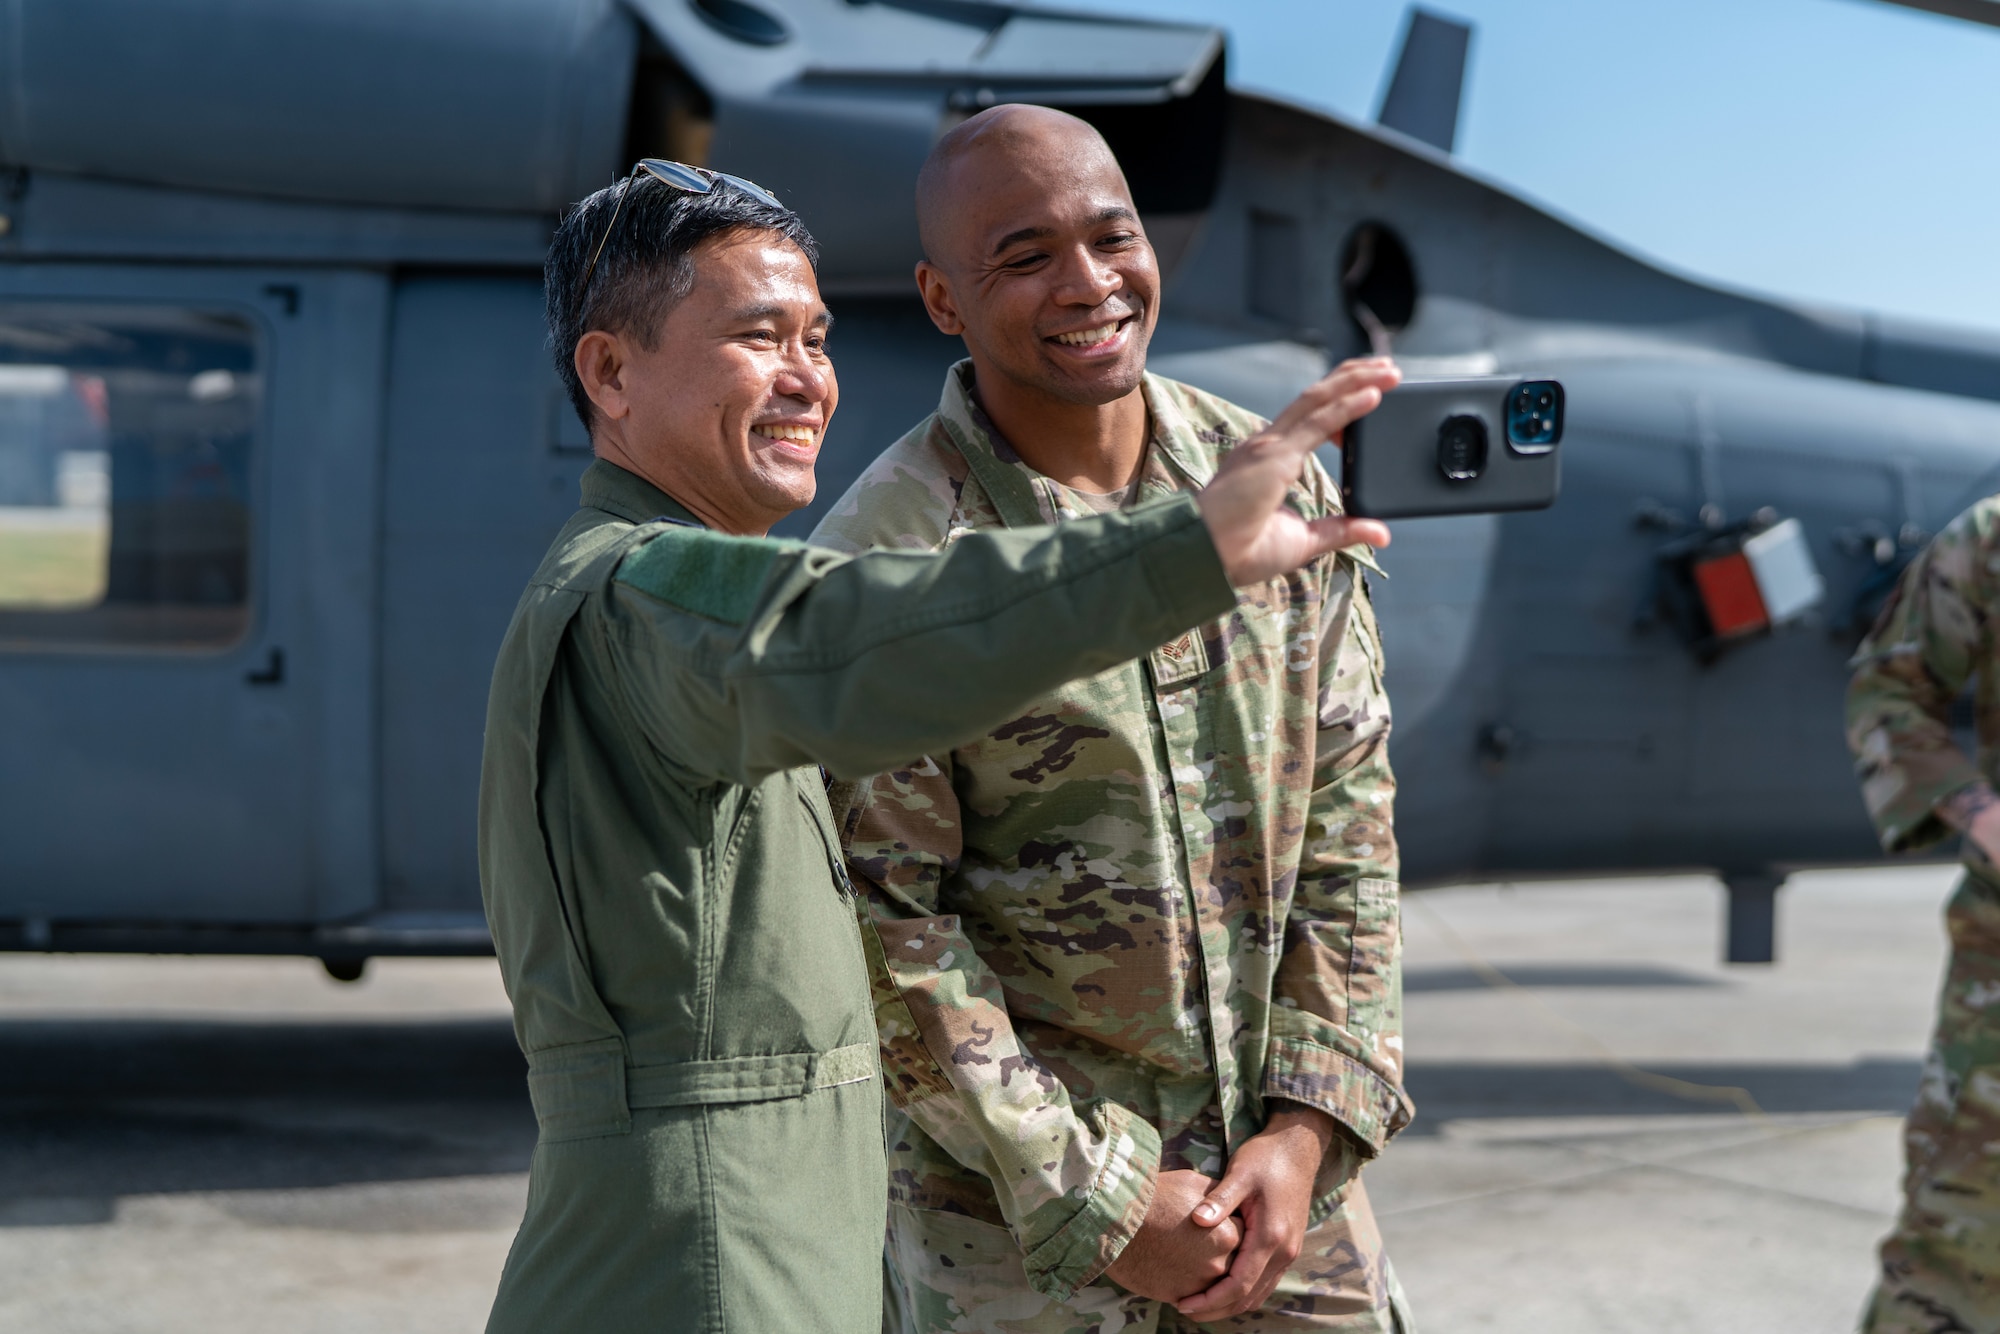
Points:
(1752, 930)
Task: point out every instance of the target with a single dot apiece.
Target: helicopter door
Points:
(188, 467)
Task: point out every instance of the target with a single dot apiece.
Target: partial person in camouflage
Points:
(1941, 1263)
(1136, 950)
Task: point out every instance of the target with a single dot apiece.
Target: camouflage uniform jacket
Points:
(1934, 635)
(1108, 930)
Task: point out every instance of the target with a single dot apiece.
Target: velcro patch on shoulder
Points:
(709, 574)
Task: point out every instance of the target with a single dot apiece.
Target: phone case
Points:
(1414, 455)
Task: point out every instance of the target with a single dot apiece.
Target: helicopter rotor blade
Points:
(1972, 11)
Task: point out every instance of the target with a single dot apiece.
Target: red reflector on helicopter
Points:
(1729, 595)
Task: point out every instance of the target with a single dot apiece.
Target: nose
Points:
(1087, 279)
(803, 376)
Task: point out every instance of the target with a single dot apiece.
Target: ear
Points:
(601, 362)
(935, 289)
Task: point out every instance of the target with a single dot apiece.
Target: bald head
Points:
(1035, 256)
(983, 161)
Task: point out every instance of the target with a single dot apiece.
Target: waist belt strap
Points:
(586, 1089)
(748, 1078)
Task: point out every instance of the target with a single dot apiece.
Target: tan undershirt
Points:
(1108, 502)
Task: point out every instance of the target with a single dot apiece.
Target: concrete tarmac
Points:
(1615, 1133)
(221, 1146)
(1618, 1133)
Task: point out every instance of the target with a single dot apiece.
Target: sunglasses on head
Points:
(675, 176)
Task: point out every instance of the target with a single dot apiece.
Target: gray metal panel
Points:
(1924, 356)
(53, 216)
(939, 44)
(1630, 752)
(861, 206)
(499, 104)
(473, 493)
(1065, 49)
(327, 474)
(828, 34)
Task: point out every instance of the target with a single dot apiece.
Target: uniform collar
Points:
(1011, 483)
(610, 488)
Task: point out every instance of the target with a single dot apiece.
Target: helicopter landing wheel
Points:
(345, 970)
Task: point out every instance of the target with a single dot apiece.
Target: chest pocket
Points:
(1179, 660)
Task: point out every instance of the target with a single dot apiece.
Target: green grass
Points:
(52, 569)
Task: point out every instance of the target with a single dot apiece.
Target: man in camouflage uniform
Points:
(1143, 935)
(1941, 1264)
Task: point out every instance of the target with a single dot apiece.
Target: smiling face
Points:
(727, 411)
(1038, 260)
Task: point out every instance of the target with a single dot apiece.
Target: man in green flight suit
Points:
(659, 865)
(1940, 1266)
(1141, 937)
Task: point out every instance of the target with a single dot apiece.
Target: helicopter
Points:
(280, 442)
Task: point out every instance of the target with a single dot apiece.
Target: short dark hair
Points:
(646, 267)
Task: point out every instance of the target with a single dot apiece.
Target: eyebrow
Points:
(824, 319)
(1115, 213)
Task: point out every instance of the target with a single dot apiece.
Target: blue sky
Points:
(1845, 152)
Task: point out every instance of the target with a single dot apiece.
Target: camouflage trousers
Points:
(946, 1272)
(1941, 1263)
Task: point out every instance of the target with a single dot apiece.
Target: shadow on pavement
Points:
(1446, 977)
(370, 1061)
(1451, 1091)
(91, 1111)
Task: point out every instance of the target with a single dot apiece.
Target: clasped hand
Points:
(1216, 1249)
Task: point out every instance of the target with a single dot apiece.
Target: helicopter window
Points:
(125, 449)
(1378, 283)
(1277, 268)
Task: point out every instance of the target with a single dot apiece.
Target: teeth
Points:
(1088, 337)
(777, 432)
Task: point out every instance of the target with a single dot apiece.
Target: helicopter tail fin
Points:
(1423, 94)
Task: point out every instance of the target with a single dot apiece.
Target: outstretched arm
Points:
(782, 655)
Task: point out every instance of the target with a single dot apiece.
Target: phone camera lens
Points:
(1534, 414)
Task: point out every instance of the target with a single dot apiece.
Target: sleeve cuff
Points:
(1095, 1235)
(1907, 770)
(1368, 1105)
(1908, 820)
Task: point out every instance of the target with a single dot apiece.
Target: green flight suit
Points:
(663, 880)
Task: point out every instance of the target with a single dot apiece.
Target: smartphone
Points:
(1474, 446)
